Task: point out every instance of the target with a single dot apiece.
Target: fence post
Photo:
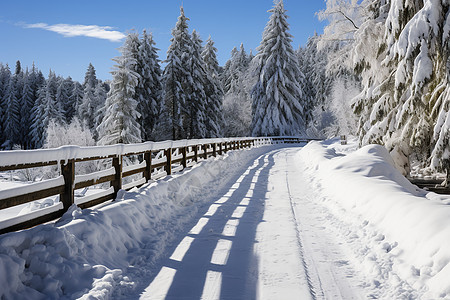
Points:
(205, 151)
(148, 168)
(214, 149)
(117, 182)
(220, 149)
(68, 172)
(184, 160)
(169, 161)
(195, 153)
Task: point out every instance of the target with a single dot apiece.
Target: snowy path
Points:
(263, 239)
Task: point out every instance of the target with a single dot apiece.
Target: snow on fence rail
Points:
(155, 160)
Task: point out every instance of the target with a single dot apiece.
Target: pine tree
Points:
(120, 124)
(62, 97)
(68, 105)
(100, 96)
(76, 98)
(5, 76)
(12, 113)
(87, 108)
(149, 90)
(214, 91)
(176, 77)
(27, 103)
(277, 107)
(45, 109)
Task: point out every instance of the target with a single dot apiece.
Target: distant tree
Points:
(87, 107)
(5, 76)
(11, 120)
(45, 109)
(238, 81)
(76, 98)
(69, 108)
(278, 105)
(27, 103)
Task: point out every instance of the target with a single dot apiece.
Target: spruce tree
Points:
(120, 124)
(45, 109)
(27, 103)
(5, 75)
(278, 105)
(214, 91)
(176, 79)
(149, 90)
(87, 108)
(12, 113)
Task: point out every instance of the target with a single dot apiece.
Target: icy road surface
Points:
(265, 238)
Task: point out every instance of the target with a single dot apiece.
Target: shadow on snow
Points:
(215, 259)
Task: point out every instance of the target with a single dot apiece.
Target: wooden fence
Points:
(152, 161)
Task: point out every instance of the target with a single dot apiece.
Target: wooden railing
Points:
(151, 162)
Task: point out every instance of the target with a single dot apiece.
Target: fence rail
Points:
(154, 161)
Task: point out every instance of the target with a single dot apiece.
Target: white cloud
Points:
(68, 30)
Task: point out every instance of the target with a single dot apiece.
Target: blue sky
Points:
(31, 30)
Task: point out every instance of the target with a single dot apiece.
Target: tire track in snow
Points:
(314, 290)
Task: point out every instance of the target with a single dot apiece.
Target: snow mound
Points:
(91, 253)
(409, 228)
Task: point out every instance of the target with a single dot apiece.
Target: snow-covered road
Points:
(264, 238)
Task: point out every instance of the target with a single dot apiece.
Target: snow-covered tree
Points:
(175, 78)
(214, 91)
(65, 90)
(5, 77)
(149, 89)
(100, 93)
(195, 106)
(405, 78)
(120, 125)
(11, 117)
(238, 80)
(278, 105)
(74, 133)
(88, 106)
(45, 109)
(76, 98)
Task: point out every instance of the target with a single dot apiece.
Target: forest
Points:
(379, 71)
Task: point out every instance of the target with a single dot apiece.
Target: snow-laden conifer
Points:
(5, 75)
(12, 112)
(119, 124)
(277, 96)
(149, 90)
(87, 107)
(196, 103)
(45, 109)
(214, 91)
(175, 78)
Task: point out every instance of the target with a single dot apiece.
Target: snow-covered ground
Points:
(323, 222)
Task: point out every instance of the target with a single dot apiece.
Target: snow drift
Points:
(407, 228)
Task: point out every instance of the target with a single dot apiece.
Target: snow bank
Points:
(407, 228)
(102, 252)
